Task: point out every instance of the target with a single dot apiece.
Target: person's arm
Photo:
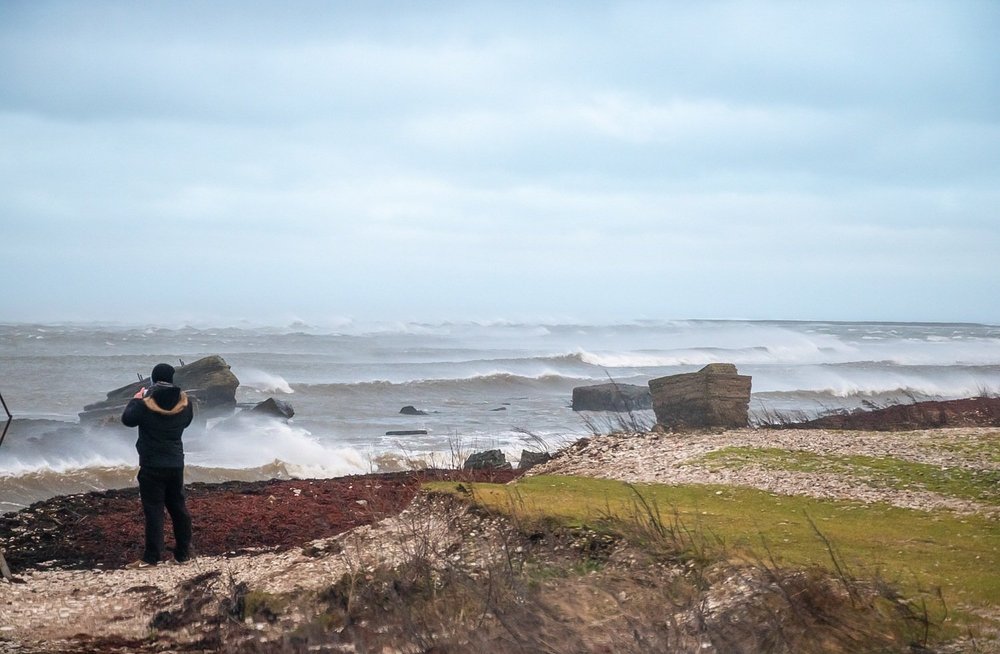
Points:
(132, 412)
(188, 411)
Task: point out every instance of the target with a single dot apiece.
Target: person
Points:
(162, 413)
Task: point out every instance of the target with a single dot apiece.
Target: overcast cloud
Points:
(174, 161)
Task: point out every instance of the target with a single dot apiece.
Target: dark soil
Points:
(105, 529)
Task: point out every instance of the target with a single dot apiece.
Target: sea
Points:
(497, 385)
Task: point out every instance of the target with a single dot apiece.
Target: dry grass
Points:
(635, 583)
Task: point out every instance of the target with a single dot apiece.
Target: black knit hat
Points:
(162, 372)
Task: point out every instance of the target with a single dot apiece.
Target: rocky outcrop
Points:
(714, 397)
(488, 460)
(209, 381)
(410, 410)
(611, 397)
(969, 412)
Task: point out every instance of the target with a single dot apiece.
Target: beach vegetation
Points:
(939, 558)
(592, 565)
(984, 446)
(980, 485)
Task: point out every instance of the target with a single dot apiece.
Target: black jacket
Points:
(161, 416)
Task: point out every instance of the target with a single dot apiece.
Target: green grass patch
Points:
(978, 446)
(979, 485)
(921, 551)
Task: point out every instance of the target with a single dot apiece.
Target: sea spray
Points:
(483, 384)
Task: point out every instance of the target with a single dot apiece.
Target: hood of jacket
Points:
(165, 399)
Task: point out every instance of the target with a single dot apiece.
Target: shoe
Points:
(185, 558)
(139, 565)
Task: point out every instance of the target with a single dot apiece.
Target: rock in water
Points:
(715, 396)
(209, 381)
(611, 397)
(410, 410)
(488, 460)
(274, 408)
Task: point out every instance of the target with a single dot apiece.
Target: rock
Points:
(530, 459)
(932, 414)
(611, 397)
(409, 410)
(488, 460)
(274, 408)
(715, 396)
(209, 381)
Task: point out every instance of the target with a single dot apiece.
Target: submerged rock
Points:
(488, 460)
(410, 410)
(611, 397)
(274, 408)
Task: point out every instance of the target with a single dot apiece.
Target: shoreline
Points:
(110, 602)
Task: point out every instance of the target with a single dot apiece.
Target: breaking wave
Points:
(263, 382)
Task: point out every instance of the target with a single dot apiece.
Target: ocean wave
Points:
(251, 442)
(262, 381)
(488, 380)
(924, 391)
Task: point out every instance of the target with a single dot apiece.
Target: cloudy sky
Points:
(171, 161)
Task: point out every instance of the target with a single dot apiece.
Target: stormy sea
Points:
(479, 385)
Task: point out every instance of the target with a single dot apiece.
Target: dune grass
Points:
(937, 555)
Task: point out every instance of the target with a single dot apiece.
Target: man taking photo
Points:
(161, 413)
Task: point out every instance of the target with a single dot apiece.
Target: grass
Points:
(920, 551)
(885, 472)
(986, 446)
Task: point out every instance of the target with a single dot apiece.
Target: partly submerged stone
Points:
(488, 460)
(611, 397)
(274, 408)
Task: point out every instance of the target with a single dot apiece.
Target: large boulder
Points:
(611, 397)
(209, 381)
(715, 396)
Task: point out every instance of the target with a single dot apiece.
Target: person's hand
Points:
(139, 393)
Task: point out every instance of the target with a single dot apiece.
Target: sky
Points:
(163, 162)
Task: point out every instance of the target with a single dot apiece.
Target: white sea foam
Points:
(476, 380)
(250, 443)
(262, 381)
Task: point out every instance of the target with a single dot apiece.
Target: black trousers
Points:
(159, 488)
